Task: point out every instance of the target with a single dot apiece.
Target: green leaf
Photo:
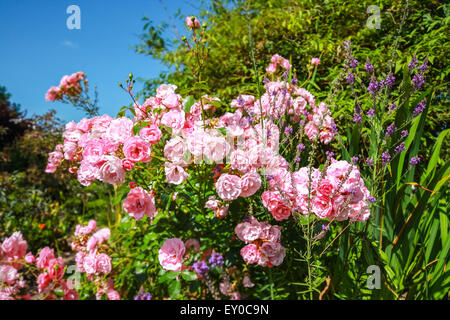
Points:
(187, 103)
(169, 275)
(189, 275)
(174, 289)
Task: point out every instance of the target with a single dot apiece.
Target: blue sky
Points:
(37, 48)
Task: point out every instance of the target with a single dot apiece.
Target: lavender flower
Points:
(329, 154)
(412, 64)
(400, 148)
(355, 160)
(350, 78)
(423, 67)
(371, 199)
(370, 113)
(390, 129)
(385, 158)
(266, 80)
(200, 267)
(143, 296)
(414, 160)
(288, 131)
(298, 159)
(286, 75)
(390, 80)
(215, 260)
(392, 107)
(294, 81)
(373, 86)
(418, 80)
(369, 162)
(368, 66)
(405, 133)
(301, 147)
(325, 227)
(353, 63)
(357, 118)
(420, 107)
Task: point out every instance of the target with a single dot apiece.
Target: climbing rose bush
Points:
(173, 139)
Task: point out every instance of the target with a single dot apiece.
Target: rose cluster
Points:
(336, 193)
(263, 242)
(69, 86)
(51, 269)
(91, 259)
(103, 148)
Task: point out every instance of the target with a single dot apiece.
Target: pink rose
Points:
(250, 253)
(112, 170)
(85, 125)
(90, 264)
(87, 173)
(55, 268)
(194, 243)
(43, 281)
(173, 100)
(139, 203)
(248, 232)
(239, 160)
(175, 149)
(8, 274)
(50, 168)
(212, 203)
(216, 149)
(326, 188)
(29, 258)
(250, 183)
(222, 211)
(120, 130)
(321, 206)
(113, 294)
(285, 64)
(127, 164)
(174, 119)
(271, 68)
(45, 255)
(171, 254)
(175, 174)
(93, 151)
(137, 150)
(228, 187)
(274, 252)
(103, 263)
(151, 134)
(275, 203)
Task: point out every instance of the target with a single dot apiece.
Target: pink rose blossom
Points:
(250, 253)
(250, 183)
(103, 263)
(151, 134)
(137, 149)
(228, 187)
(139, 203)
(175, 174)
(120, 130)
(171, 254)
(112, 170)
(315, 61)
